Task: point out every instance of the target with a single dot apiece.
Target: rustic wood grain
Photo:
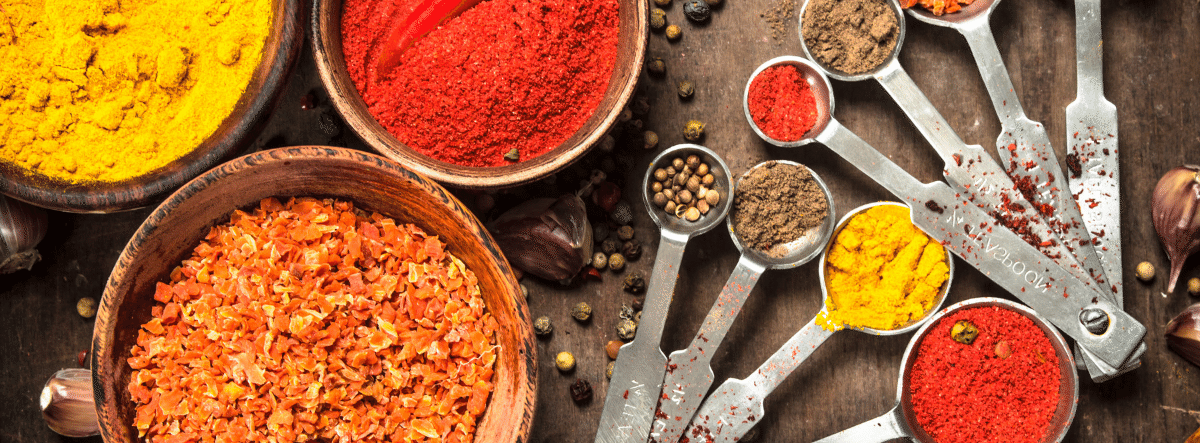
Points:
(1151, 65)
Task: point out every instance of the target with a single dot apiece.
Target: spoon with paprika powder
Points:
(689, 374)
(637, 377)
(905, 419)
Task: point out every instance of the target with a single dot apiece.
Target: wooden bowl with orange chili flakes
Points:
(382, 334)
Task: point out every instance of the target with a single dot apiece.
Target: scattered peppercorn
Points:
(1145, 271)
(581, 391)
(608, 371)
(674, 33)
(564, 361)
(686, 89)
(632, 249)
(609, 246)
(513, 155)
(622, 214)
(656, 66)
(649, 140)
(693, 130)
(696, 10)
(616, 262)
(1194, 287)
(626, 312)
(635, 283)
(637, 304)
(658, 18)
(625, 232)
(964, 332)
(582, 311)
(542, 326)
(640, 105)
(613, 348)
(626, 329)
(86, 307)
(599, 260)
(599, 232)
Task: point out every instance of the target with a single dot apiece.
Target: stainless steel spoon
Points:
(637, 377)
(689, 374)
(901, 420)
(736, 405)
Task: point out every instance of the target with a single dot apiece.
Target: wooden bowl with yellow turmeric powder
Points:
(138, 97)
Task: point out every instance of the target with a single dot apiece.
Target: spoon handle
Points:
(783, 362)
(1089, 54)
(689, 374)
(995, 75)
(638, 374)
(880, 429)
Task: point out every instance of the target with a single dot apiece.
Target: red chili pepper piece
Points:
(428, 16)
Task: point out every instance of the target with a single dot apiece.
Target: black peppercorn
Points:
(686, 89)
(656, 66)
(696, 10)
(632, 250)
(581, 391)
(637, 304)
(635, 283)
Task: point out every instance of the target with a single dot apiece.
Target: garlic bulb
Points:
(549, 238)
(1176, 206)
(22, 227)
(68, 403)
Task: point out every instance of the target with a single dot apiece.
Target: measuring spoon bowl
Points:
(846, 76)
(978, 8)
(901, 421)
(796, 252)
(636, 382)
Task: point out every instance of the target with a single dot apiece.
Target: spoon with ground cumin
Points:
(781, 219)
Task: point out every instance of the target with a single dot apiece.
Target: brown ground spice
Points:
(779, 17)
(775, 204)
(852, 36)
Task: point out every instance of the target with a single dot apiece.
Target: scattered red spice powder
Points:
(503, 75)
(971, 394)
(312, 321)
(782, 103)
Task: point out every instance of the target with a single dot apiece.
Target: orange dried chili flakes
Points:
(937, 7)
(312, 321)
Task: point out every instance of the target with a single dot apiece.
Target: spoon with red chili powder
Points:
(1013, 382)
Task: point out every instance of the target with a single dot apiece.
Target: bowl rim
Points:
(103, 347)
(325, 26)
(279, 55)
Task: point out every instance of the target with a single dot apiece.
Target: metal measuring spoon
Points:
(901, 421)
(736, 405)
(689, 374)
(972, 171)
(1022, 142)
(1025, 144)
(637, 377)
(1072, 304)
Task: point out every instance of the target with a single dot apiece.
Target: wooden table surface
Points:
(1151, 66)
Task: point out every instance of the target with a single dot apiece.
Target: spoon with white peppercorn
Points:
(633, 390)
(689, 374)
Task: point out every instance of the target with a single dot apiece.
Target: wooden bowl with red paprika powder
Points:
(372, 183)
(507, 114)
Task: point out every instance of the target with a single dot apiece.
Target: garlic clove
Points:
(1176, 206)
(68, 405)
(22, 227)
(549, 238)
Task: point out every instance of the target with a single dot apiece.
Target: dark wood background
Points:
(1151, 64)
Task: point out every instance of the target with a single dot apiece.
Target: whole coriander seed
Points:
(625, 232)
(649, 140)
(616, 262)
(708, 180)
(669, 194)
(657, 187)
(670, 207)
(542, 326)
(686, 89)
(1145, 271)
(660, 200)
(660, 174)
(581, 391)
(626, 329)
(692, 214)
(702, 205)
(712, 197)
(582, 312)
(674, 32)
(658, 18)
(693, 131)
(564, 361)
(685, 196)
(702, 169)
(599, 260)
(693, 184)
(677, 163)
(692, 161)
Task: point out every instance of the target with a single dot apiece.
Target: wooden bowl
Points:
(327, 46)
(373, 183)
(235, 133)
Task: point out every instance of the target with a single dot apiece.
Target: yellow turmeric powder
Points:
(109, 90)
(881, 271)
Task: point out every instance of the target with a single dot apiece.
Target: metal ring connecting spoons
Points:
(901, 421)
(638, 374)
(689, 374)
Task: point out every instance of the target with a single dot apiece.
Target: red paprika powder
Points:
(1002, 387)
(782, 104)
(504, 74)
